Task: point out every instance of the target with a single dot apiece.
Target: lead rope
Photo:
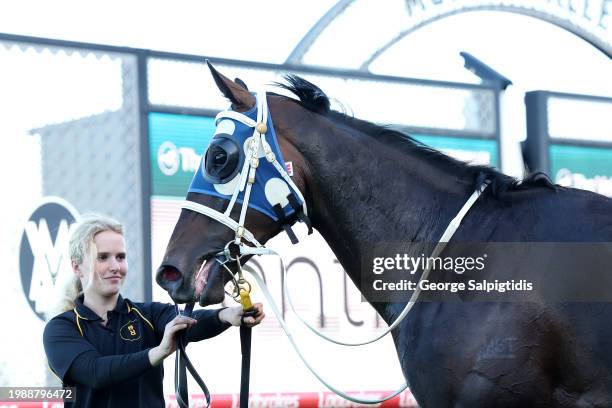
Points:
(182, 364)
(283, 324)
(445, 238)
(245, 336)
(260, 250)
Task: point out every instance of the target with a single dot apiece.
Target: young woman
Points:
(109, 347)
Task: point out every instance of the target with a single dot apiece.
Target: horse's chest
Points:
(448, 349)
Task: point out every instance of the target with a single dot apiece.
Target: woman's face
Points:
(109, 266)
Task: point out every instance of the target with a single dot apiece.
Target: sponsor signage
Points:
(44, 264)
(176, 146)
(301, 399)
(273, 400)
(583, 167)
(474, 151)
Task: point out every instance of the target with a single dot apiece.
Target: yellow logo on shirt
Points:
(130, 331)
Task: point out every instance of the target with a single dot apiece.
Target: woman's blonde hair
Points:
(81, 244)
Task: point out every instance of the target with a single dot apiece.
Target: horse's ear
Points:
(241, 83)
(240, 97)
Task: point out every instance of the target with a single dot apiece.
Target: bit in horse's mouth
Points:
(201, 276)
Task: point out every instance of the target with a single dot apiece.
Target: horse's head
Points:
(245, 144)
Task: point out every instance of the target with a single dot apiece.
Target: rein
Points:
(182, 364)
(444, 239)
(246, 181)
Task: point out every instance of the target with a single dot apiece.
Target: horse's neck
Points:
(368, 192)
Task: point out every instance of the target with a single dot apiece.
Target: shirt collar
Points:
(84, 312)
(122, 306)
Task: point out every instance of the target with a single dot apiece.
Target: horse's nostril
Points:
(170, 274)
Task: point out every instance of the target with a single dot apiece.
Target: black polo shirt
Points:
(109, 365)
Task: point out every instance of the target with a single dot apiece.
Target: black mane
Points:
(314, 99)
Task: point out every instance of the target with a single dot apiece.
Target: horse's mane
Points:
(315, 100)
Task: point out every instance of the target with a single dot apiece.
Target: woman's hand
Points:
(233, 316)
(168, 343)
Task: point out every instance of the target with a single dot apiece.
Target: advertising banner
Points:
(583, 167)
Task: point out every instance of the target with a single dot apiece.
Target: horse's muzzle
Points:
(170, 278)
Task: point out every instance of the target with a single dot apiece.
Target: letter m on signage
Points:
(50, 260)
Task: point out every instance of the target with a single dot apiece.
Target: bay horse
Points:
(363, 183)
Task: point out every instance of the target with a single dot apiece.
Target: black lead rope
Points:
(245, 373)
(182, 364)
(245, 350)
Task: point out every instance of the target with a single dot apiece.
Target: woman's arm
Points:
(75, 360)
(168, 343)
(212, 322)
(209, 325)
(96, 371)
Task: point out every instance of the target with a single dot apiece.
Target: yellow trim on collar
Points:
(78, 316)
(141, 316)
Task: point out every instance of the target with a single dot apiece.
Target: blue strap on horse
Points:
(182, 364)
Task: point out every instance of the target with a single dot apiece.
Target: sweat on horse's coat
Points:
(366, 183)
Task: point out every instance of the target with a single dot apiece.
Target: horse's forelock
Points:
(310, 95)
